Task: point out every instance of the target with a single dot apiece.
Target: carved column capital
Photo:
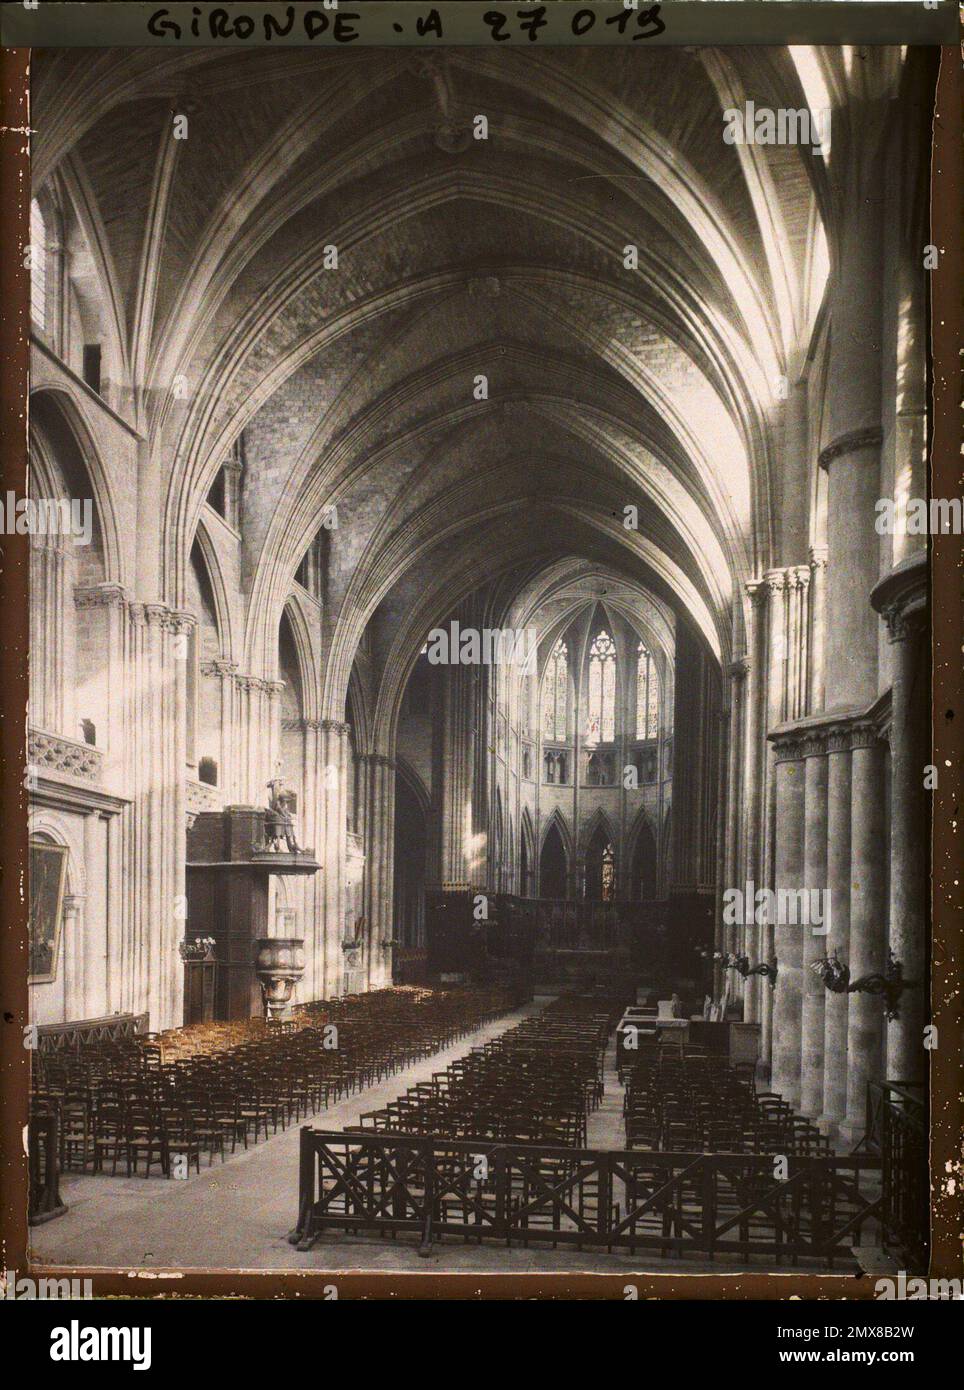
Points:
(865, 734)
(334, 726)
(789, 747)
(219, 666)
(903, 620)
(818, 557)
(776, 581)
(100, 595)
(179, 621)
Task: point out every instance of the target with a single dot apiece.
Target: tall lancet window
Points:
(555, 689)
(647, 695)
(38, 266)
(602, 689)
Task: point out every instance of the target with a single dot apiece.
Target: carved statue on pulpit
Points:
(279, 821)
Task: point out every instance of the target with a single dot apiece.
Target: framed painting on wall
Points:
(48, 874)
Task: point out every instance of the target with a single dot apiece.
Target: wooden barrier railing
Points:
(63, 1038)
(43, 1162)
(687, 1205)
(896, 1129)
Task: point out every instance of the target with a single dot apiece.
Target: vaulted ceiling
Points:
(608, 387)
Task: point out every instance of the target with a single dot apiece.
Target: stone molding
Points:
(829, 734)
(901, 597)
(159, 616)
(48, 752)
(259, 685)
(100, 595)
(871, 437)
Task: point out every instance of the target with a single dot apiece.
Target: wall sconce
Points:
(891, 984)
(742, 966)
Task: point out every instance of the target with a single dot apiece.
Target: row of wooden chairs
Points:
(700, 1104)
(536, 1083)
(122, 1104)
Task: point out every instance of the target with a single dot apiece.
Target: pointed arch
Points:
(557, 819)
(219, 588)
(297, 619)
(58, 424)
(600, 820)
(643, 859)
(555, 859)
(601, 862)
(357, 713)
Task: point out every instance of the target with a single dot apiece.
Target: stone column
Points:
(92, 944)
(814, 936)
(159, 645)
(753, 749)
(818, 625)
(313, 926)
(868, 922)
(797, 697)
(730, 940)
(788, 943)
(258, 735)
(777, 584)
(71, 955)
(51, 678)
(903, 596)
(379, 772)
(853, 407)
(226, 673)
(104, 617)
(457, 773)
(910, 437)
(837, 1006)
(331, 848)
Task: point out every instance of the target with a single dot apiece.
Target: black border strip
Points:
(396, 23)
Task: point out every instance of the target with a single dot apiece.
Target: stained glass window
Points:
(602, 689)
(555, 689)
(647, 695)
(608, 875)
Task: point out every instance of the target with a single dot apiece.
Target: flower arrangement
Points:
(201, 948)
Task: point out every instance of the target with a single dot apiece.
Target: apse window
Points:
(647, 694)
(602, 689)
(555, 689)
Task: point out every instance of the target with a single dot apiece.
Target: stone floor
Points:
(236, 1215)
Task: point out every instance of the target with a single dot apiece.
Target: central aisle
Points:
(237, 1215)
